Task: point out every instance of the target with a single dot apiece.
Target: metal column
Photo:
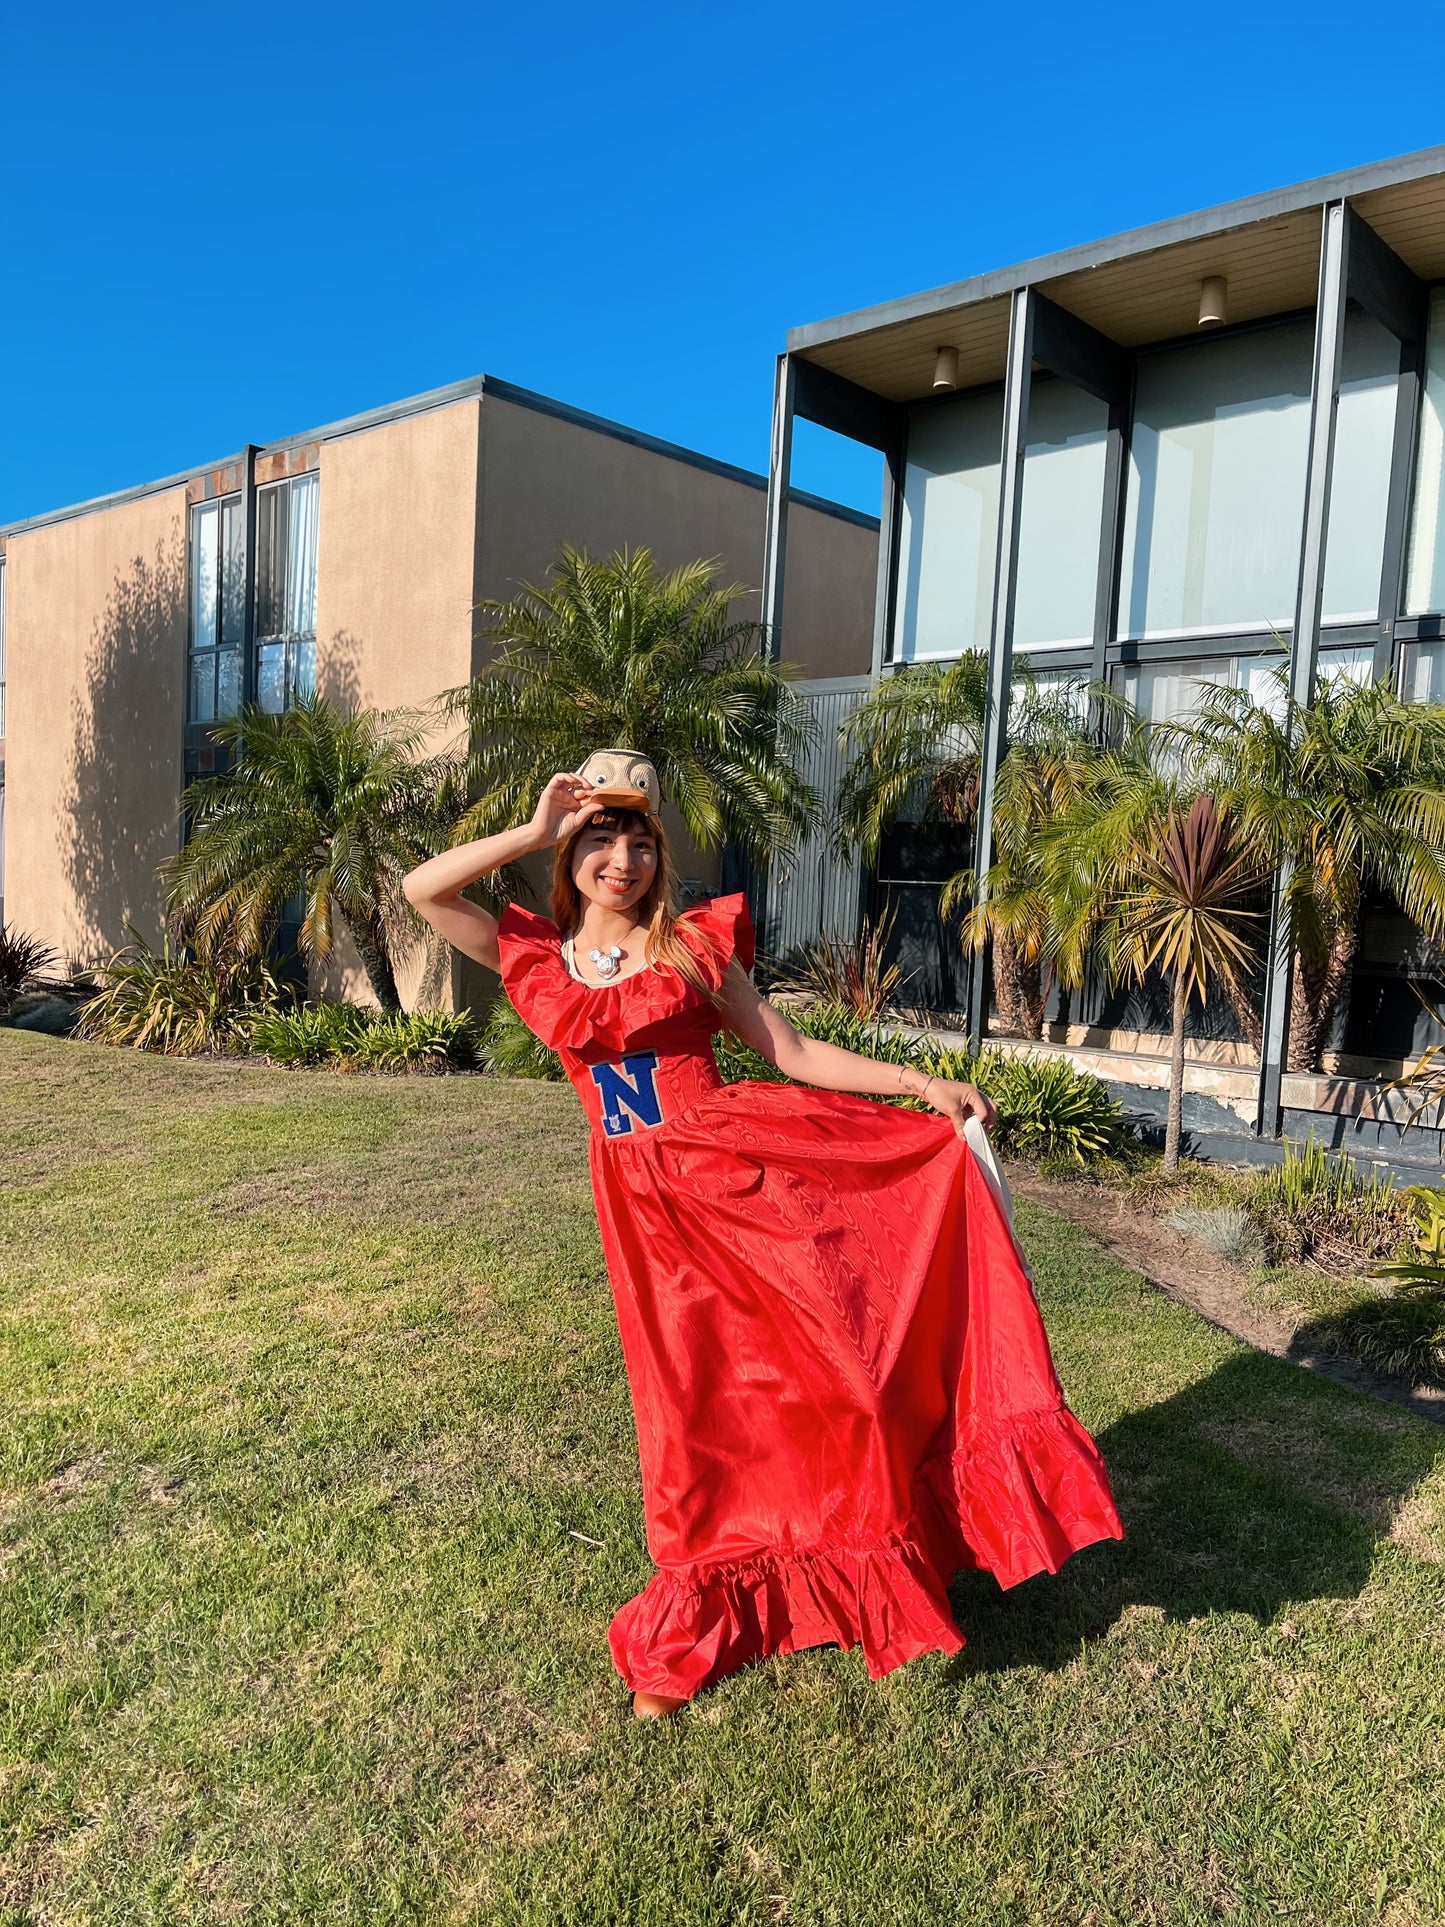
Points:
(775, 538)
(1305, 640)
(1017, 379)
(248, 573)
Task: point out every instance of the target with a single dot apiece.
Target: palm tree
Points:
(1140, 880)
(1353, 794)
(1046, 769)
(611, 653)
(337, 806)
(916, 746)
(913, 747)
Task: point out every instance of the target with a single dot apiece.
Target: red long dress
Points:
(841, 1382)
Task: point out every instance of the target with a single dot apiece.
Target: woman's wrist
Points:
(921, 1080)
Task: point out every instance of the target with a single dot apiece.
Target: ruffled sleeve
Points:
(531, 954)
(728, 927)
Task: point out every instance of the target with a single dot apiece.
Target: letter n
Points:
(630, 1086)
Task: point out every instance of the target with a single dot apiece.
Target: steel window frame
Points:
(1355, 264)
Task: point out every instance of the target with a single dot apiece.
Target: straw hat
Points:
(623, 780)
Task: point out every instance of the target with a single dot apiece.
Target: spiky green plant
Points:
(171, 1001)
(333, 806)
(421, 1042)
(612, 653)
(1316, 1208)
(308, 1035)
(21, 956)
(855, 976)
(1049, 1110)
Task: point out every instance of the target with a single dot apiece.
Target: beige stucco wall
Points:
(547, 481)
(828, 593)
(396, 563)
(96, 657)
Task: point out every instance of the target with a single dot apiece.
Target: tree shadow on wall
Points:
(423, 959)
(120, 799)
(336, 677)
(1249, 1491)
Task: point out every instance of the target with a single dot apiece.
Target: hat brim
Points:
(622, 799)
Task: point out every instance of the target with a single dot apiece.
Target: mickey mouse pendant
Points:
(607, 961)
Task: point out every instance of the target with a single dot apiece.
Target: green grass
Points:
(309, 1383)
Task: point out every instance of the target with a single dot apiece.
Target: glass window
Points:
(1424, 678)
(1347, 665)
(1217, 475)
(1425, 582)
(949, 530)
(1216, 484)
(286, 532)
(1360, 481)
(218, 588)
(1063, 505)
(1164, 692)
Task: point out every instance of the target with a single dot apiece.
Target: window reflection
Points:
(949, 527)
(1216, 484)
(1063, 505)
(1425, 584)
(1217, 473)
(286, 537)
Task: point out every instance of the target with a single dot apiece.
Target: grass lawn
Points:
(314, 1410)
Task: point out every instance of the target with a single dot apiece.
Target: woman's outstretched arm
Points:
(434, 888)
(768, 1032)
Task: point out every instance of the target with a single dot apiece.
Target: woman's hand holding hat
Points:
(568, 802)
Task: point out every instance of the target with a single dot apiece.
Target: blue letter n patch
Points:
(628, 1087)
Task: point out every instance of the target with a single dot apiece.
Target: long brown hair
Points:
(657, 910)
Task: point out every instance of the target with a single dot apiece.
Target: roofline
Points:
(446, 397)
(1142, 240)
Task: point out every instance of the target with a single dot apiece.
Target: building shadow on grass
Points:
(1255, 1488)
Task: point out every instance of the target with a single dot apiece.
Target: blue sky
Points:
(226, 224)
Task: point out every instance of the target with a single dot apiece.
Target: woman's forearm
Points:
(831, 1068)
(442, 878)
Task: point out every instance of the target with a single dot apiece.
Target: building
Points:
(348, 559)
(1150, 459)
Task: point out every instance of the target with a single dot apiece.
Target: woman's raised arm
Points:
(434, 888)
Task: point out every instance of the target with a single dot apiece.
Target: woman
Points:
(842, 1386)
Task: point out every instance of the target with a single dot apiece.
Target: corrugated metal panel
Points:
(819, 890)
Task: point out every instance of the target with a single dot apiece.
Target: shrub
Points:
(1402, 1334)
(509, 1049)
(1315, 1209)
(308, 1035)
(1228, 1230)
(348, 1038)
(172, 1002)
(1049, 1110)
(424, 1042)
(48, 1016)
(21, 957)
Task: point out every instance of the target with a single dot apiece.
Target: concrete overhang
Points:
(1141, 286)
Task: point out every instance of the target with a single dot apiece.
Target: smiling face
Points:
(615, 860)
